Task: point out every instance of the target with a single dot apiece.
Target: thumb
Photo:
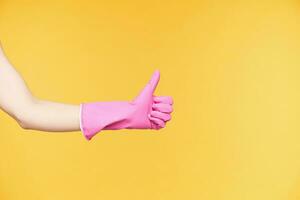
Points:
(148, 91)
(154, 80)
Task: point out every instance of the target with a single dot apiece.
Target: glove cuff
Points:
(95, 117)
(80, 122)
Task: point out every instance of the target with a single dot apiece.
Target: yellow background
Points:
(233, 68)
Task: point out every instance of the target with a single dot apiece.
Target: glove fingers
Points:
(158, 122)
(161, 107)
(154, 126)
(163, 99)
(163, 116)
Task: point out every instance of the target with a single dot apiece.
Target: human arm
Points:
(29, 111)
(146, 111)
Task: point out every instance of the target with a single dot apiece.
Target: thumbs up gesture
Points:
(154, 111)
(146, 111)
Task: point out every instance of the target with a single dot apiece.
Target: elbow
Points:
(20, 117)
(24, 116)
(24, 125)
(23, 122)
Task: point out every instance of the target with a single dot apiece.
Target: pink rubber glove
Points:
(144, 112)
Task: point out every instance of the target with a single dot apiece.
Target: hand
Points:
(144, 112)
(151, 111)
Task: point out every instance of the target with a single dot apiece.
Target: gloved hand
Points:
(146, 111)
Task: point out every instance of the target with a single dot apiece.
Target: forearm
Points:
(50, 116)
(29, 111)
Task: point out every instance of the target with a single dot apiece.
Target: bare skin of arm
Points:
(29, 111)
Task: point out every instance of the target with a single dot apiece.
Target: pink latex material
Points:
(144, 112)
